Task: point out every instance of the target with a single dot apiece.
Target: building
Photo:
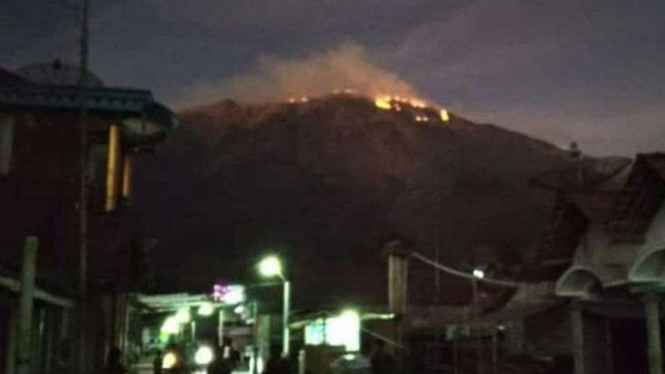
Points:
(617, 275)
(40, 184)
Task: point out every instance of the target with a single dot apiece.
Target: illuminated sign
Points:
(342, 330)
(229, 294)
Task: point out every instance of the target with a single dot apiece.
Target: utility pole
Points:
(27, 292)
(437, 279)
(83, 203)
(476, 316)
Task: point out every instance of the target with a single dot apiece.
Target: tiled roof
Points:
(583, 174)
(596, 207)
(657, 162)
(639, 200)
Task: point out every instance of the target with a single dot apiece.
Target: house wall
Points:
(39, 195)
(549, 333)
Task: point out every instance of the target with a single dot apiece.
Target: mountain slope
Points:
(329, 180)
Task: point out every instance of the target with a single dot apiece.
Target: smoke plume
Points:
(347, 67)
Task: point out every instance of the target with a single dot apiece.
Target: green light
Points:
(270, 267)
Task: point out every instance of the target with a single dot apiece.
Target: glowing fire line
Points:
(395, 103)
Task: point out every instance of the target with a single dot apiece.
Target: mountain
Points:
(327, 181)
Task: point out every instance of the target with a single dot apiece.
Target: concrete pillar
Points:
(398, 277)
(398, 273)
(577, 324)
(653, 334)
(11, 342)
(26, 305)
(398, 255)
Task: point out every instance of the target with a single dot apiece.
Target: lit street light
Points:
(478, 274)
(272, 267)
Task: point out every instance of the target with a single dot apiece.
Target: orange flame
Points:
(383, 103)
(445, 117)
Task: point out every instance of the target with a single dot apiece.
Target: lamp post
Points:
(477, 274)
(272, 267)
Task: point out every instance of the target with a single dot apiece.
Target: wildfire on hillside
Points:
(418, 108)
(423, 113)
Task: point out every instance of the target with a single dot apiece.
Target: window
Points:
(6, 143)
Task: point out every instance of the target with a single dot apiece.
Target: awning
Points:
(578, 281)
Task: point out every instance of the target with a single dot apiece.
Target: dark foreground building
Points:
(40, 178)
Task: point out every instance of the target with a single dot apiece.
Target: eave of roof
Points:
(115, 102)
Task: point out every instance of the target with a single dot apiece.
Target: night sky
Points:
(586, 70)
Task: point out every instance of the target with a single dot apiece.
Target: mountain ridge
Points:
(331, 179)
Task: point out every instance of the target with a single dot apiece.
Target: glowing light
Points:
(204, 355)
(344, 330)
(478, 273)
(169, 360)
(292, 100)
(206, 309)
(240, 309)
(383, 103)
(444, 115)
(183, 315)
(304, 99)
(348, 91)
(229, 294)
(417, 103)
(170, 326)
(259, 363)
(270, 267)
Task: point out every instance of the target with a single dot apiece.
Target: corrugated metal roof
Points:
(120, 102)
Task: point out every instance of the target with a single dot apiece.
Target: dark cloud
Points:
(589, 70)
(564, 70)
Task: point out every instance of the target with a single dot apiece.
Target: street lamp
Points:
(272, 267)
(478, 274)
